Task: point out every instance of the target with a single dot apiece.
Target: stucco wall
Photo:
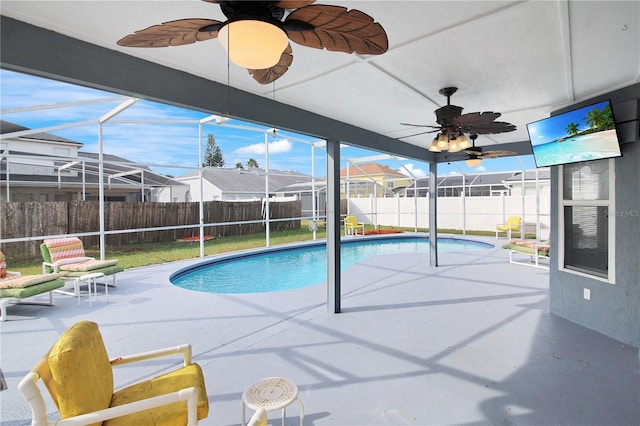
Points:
(614, 309)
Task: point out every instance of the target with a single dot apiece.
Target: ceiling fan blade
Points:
(477, 151)
(416, 134)
(497, 153)
(482, 123)
(473, 119)
(421, 125)
(270, 75)
(493, 128)
(294, 4)
(336, 29)
(171, 33)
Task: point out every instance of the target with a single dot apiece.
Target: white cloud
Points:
(413, 170)
(480, 169)
(276, 147)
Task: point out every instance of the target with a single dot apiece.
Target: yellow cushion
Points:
(168, 415)
(543, 250)
(87, 265)
(81, 370)
(524, 243)
(22, 281)
(32, 290)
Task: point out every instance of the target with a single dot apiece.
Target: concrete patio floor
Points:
(470, 342)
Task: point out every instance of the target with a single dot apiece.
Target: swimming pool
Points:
(287, 268)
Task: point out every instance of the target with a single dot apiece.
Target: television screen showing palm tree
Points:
(582, 134)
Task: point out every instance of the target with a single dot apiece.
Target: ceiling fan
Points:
(453, 125)
(256, 36)
(476, 155)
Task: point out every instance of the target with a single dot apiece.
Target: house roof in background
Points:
(250, 180)
(320, 185)
(113, 165)
(371, 169)
(9, 127)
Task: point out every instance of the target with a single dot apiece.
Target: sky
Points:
(172, 148)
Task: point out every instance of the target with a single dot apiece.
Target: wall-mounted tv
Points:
(582, 134)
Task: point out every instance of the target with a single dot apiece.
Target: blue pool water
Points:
(295, 267)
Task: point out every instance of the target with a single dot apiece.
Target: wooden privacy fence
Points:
(31, 219)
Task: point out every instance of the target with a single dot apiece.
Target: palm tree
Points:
(600, 120)
(239, 165)
(251, 162)
(607, 118)
(572, 129)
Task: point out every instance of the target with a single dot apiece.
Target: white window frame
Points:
(610, 205)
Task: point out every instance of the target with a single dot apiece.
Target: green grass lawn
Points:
(137, 255)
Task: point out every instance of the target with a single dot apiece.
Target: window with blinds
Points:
(587, 193)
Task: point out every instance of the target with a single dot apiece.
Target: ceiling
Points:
(524, 59)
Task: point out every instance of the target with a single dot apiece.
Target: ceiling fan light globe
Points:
(454, 146)
(434, 146)
(473, 162)
(463, 142)
(253, 44)
(443, 142)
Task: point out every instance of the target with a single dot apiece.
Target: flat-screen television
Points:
(582, 134)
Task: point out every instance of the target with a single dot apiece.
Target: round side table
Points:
(271, 393)
(91, 279)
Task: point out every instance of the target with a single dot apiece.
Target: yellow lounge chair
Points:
(351, 226)
(513, 223)
(79, 377)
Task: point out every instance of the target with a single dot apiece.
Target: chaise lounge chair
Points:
(78, 375)
(66, 257)
(14, 287)
(536, 250)
(512, 224)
